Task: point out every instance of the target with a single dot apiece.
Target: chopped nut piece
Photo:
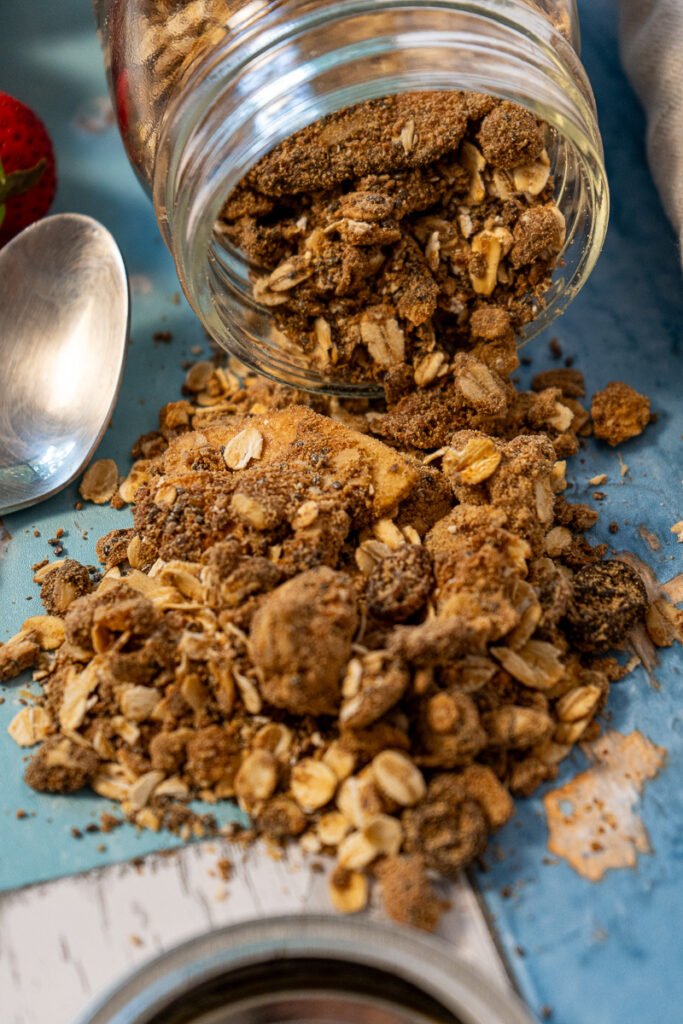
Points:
(664, 623)
(100, 481)
(19, 653)
(342, 762)
(332, 828)
(471, 459)
(142, 789)
(359, 801)
(282, 818)
(46, 630)
(256, 779)
(382, 336)
(313, 784)
(398, 778)
(385, 834)
(356, 851)
(30, 726)
(348, 891)
(517, 727)
(537, 664)
(243, 448)
(138, 702)
(581, 702)
(558, 540)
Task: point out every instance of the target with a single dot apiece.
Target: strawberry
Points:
(28, 178)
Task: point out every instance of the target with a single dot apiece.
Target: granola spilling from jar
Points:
(402, 231)
(374, 625)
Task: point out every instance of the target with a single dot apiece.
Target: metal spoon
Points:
(64, 316)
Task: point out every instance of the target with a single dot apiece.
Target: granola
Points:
(401, 232)
(373, 624)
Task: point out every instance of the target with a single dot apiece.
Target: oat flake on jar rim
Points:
(308, 970)
(204, 89)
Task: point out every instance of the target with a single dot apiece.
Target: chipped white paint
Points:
(593, 820)
(64, 943)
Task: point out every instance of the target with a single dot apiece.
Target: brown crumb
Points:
(619, 413)
(225, 868)
(608, 599)
(407, 894)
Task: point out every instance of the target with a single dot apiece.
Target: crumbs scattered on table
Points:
(21, 814)
(163, 336)
(135, 940)
(597, 481)
(108, 822)
(225, 867)
(555, 348)
(76, 833)
(599, 495)
(613, 527)
(624, 470)
(652, 541)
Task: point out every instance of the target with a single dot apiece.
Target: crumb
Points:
(226, 868)
(619, 413)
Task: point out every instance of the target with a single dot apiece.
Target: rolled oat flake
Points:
(308, 970)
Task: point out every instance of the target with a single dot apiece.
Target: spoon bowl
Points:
(64, 318)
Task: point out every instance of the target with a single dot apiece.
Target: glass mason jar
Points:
(205, 88)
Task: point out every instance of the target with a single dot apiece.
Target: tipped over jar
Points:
(356, 193)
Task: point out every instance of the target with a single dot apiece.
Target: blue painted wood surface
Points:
(607, 953)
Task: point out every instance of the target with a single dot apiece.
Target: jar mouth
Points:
(312, 969)
(261, 85)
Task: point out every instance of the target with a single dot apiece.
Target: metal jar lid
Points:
(308, 970)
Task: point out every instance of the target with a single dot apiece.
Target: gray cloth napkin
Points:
(652, 51)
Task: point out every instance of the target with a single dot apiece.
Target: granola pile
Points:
(400, 232)
(374, 625)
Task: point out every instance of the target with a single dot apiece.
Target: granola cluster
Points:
(401, 232)
(373, 625)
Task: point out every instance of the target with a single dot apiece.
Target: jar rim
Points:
(202, 155)
(427, 964)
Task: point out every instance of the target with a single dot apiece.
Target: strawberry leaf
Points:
(18, 182)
